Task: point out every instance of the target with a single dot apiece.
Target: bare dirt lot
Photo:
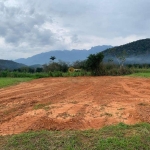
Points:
(73, 103)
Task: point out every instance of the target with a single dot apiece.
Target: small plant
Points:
(142, 104)
(121, 108)
(42, 106)
(39, 106)
(74, 102)
(106, 114)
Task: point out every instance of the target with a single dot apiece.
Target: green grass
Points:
(144, 70)
(118, 137)
(12, 81)
(140, 74)
(42, 106)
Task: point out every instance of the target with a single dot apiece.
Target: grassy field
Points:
(118, 137)
(11, 81)
(140, 74)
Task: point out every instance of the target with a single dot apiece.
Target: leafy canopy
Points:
(52, 58)
(93, 63)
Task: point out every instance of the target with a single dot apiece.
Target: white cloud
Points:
(30, 27)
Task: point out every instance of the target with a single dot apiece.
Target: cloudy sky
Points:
(29, 27)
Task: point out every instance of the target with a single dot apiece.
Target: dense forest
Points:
(137, 52)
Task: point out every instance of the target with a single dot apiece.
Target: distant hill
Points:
(63, 55)
(8, 64)
(36, 66)
(137, 52)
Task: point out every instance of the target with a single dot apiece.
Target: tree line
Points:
(93, 64)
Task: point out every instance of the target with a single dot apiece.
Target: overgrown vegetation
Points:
(104, 69)
(13, 74)
(93, 63)
(117, 137)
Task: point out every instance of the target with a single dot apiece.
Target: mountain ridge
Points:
(137, 52)
(63, 55)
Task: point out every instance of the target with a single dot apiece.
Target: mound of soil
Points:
(73, 103)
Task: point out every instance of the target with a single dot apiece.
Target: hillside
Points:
(65, 55)
(8, 64)
(137, 52)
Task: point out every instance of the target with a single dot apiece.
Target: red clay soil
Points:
(73, 103)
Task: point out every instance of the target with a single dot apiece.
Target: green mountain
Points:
(10, 65)
(137, 52)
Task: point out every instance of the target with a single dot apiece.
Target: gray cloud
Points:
(19, 25)
(29, 27)
(75, 39)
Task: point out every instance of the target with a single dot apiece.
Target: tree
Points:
(53, 58)
(120, 56)
(39, 69)
(56, 66)
(93, 63)
(78, 64)
(63, 66)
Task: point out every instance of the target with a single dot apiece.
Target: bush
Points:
(93, 63)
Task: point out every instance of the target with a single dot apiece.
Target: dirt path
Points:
(73, 103)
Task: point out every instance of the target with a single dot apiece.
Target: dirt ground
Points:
(73, 103)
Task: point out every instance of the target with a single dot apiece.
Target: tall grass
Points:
(106, 69)
(42, 74)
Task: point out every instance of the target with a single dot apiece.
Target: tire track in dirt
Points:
(135, 91)
(73, 103)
